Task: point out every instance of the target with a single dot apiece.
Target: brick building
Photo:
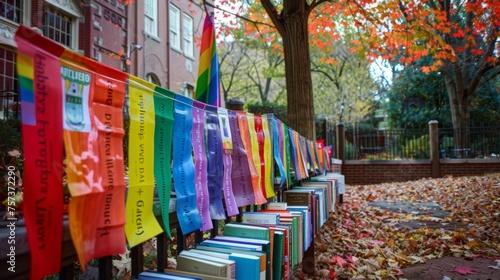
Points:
(152, 39)
(166, 31)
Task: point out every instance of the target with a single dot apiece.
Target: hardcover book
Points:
(231, 266)
(201, 266)
(153, 275)
(300, 198)
(260, 218)
(259, 254)
(231, 245)
(193, 275)
(246, 230)
(266, 247)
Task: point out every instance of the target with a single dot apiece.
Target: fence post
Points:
(434, 146)
(340, 145)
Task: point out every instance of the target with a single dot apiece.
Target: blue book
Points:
(248, 267)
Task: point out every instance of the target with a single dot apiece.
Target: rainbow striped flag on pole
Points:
(207, 86)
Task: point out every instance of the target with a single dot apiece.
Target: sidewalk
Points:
(437, 269)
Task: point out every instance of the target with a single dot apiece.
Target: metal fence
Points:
(400, 144)
(393, 144)
(471, 142)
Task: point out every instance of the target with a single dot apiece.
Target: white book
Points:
(260, 218)
(231, 266)
(201, 266)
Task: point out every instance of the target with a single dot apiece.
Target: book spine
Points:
(260, 218)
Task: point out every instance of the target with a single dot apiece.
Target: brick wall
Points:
(468, 167)
(359, 172)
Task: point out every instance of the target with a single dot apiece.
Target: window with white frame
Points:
(12, 10)
(152, 78)
(188, 35)
(8, 83)
(58, 26)
(188, 89)
(175, 27)
(151, 17)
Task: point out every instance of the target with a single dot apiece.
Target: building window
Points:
(58, 26)
(150, 17)
(188, 90)
(11, 10)
(8, 84)
(175, 27)
(152, 78)
(188, 35)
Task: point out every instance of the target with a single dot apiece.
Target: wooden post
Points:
(434, 146)
(340, 148)
(161, 251)
(340, 142)
(137, 256)
(105, 267)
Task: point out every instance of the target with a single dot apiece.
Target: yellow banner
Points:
(254, 143)
(268, 157)
(141, 223)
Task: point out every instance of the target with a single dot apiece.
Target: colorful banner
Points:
(247, 144)
(268, 159)
(294, 156)
(276, 151)
(43, 149)
(183, 166)
(215, 161)
(227, 146)
(164, 127)
(200, 164)
(141, 223)
(107, 111)
(82, 154)
(240, 173)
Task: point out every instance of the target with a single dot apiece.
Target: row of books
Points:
(266, 244)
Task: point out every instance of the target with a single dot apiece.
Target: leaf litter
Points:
(361, 241)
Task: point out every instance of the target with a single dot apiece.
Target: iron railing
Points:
(401, 144)
(390, 144)
(470, 142)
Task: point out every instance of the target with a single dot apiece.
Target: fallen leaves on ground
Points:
(359, 241)
(462, 270)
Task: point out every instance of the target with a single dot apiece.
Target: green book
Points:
(246, 231)
(278, 256)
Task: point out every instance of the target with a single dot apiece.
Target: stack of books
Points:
(266, 244)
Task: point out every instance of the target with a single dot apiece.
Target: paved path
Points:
(437, 269)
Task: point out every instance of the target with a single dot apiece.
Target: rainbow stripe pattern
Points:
(207, 86)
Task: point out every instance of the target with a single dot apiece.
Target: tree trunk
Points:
(460, 99)
(292, 24)
(300, 111)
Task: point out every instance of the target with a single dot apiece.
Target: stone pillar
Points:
(434, 146)
(235, 104)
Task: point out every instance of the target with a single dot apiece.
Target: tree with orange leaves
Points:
(461, 37)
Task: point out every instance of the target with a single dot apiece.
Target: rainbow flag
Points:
(207, 86)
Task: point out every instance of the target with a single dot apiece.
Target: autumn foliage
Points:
(395, 30)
